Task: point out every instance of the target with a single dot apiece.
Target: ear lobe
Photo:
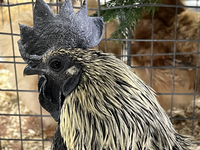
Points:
(70, 84)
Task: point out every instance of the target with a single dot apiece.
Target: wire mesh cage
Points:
(163, 50)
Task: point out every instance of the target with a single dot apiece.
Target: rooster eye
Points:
(56, 64)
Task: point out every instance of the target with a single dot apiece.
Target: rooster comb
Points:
(67, 29)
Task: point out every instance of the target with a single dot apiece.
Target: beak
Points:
(28, 70)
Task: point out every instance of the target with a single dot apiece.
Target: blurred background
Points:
(158, 39)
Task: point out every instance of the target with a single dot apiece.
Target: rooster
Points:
(97, 100)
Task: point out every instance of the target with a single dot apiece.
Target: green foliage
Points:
(129, 10)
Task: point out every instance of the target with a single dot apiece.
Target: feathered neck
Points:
(113, 109)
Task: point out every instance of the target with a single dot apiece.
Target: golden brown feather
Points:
(164, 29)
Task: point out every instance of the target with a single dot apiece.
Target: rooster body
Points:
(109, 107)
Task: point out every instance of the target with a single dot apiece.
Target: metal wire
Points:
(127, 57)
(15, 74)
(174, 57)
(152, 53)
(129, 49)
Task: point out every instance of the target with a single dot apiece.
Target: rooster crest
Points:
(67, 29)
